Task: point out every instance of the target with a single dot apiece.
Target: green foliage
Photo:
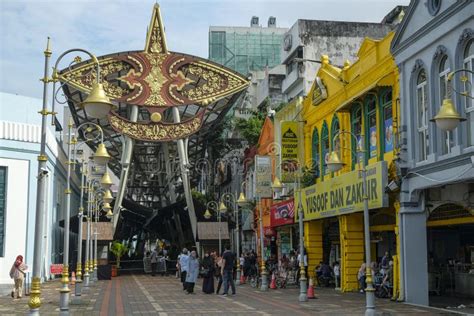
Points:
(118, 249)
(309, 177)
(251, 128)
(201, 198)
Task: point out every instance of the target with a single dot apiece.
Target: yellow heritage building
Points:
(361, 98)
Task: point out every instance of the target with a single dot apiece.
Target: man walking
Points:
(183, 263)
(228, 262)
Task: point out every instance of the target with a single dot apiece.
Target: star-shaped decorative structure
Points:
(158, 80)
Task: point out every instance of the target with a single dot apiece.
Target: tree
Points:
(250, 128)
(118, 249)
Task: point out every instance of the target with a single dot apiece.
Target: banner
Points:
(282, 213)
(263, 172)
(289, 150)
(343, 194)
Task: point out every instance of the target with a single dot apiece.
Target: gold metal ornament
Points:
(65, 280)
(79, 272)
(35, 293)
(155, 117)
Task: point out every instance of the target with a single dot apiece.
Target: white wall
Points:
(16, 214)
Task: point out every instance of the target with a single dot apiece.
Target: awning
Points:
(210, 230)
(105, 231)
(383, 82)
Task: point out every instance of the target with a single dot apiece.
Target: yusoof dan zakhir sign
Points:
(343, 194)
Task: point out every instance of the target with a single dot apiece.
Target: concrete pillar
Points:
(414, 255)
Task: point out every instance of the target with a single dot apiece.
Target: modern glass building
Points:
(246, 49)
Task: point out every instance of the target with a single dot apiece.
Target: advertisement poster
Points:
(263, 171)
(373, 142)
(388, 135)
(289, 150)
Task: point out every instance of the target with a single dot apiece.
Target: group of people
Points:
(384, 270)
(211, 266)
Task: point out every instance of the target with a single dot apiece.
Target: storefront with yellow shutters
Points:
(361, 98)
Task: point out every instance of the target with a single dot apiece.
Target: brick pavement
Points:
(146, 295)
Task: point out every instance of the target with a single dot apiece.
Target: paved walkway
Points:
(146, 295)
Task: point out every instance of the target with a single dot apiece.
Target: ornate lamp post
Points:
(277, 187)
(335, 164)
(219, 209)
(100, 157)
(448, 118)
(96, 105)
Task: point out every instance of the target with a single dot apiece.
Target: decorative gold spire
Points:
(155, 38)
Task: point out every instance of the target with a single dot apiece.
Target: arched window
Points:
(356, 126)
(468, 63)
(422, 116)
(371, 128)
(387, 120)
(444, 93)
(324, 148)
(315, 158)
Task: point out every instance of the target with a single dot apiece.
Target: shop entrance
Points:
(331, 250)
(450, 241)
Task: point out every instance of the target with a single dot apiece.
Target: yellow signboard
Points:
(344, 194)
(289, 150)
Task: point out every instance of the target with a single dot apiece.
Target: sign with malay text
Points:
(56, 268)
(289, 150)
(263, 172)
(344, 194)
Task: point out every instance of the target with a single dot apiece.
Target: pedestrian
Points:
(183, 263)
(154, 261)
(17, 273)
(228, 262)
(361, 277)
(192, 272)
(208, 274)
(147, 262)
(337, 274)
(218, 265)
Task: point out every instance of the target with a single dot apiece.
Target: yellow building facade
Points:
(361, 98)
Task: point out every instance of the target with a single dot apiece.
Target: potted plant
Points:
(118, 249)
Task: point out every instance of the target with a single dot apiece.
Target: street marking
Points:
(244, 305)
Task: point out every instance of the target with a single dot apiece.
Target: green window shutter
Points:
(325, 148)
(315, 158)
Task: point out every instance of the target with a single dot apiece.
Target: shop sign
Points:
(289, 150)
(282, 213)
(263, 171)
(319, 92)
(56, 268)
(343, 194)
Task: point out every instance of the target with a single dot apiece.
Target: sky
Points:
(109, 26)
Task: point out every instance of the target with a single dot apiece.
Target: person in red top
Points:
(17, 273)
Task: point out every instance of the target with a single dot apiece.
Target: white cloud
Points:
(107, 26)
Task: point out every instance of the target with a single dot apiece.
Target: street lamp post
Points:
(101, 156)
(241, 201)
(64, 291)
(219, 209)
(97, 105)
(278, 187)
(335, 164)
